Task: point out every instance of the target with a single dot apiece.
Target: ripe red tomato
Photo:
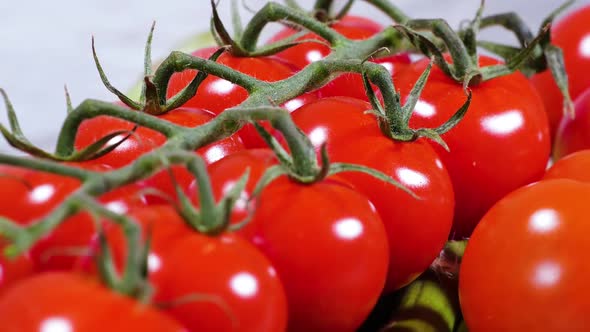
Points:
(13, 269)
(501, 144)
(216, 94)
(573, 134)
(240, 288)
(352, 27)
(575, 166)
(351, 84)
(571, 34)
(525, 254)
(343, 124)
(68, 302)
(33, 194)
(329, 247)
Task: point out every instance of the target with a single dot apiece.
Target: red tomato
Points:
(352, 27)
(573, 134)
(571, 34)
(330, 250)
(216, 94)
(68, 302)
(13, 269)
(525, 253)
(145, 140)
(33, 194)
(501, 144)
(240, 287)
(351, 84)
(575, 166)
(343, 124)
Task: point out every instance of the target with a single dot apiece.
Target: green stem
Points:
(47, 166)
(178, 62)
(390, 10)
(93, 108)
(273, 12)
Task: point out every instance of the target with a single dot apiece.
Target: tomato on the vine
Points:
(573, 133)
(574, 166)
(501, 144)
(525, 253)
(571, 34)
(216, 94)
(58, 301)
(417, 228)
(234, 286)
(350, 26)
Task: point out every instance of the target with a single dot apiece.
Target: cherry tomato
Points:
(240, 289)
(351, 84)
(501, 144)
(573, 133)
(33, 194)
(145, 140)
(216, 94)
(571, 34)
(575, 166)
(57, 301)
(343, 124)
(525, 253)
(352, 27)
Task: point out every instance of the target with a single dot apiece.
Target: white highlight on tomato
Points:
(348, 228)
(388, 66)
(318, 136)
(244, 284)
(411, 177)
(293, 104)
(504, 123)
(584, 47)
(544, 221)
(125, 145)
(42, 193)
(154, 263)
(314, 56)
(547, 274)
(117, 207)
(424, 109)
(241, 203)
(56, 324)
(214, 153)
(222, 86)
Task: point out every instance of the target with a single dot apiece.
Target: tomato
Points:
(417, 232)
(68, 302)
(575, 166)
(33, 194)
(216, 94)
(350, 26)
(525, 253)
(13, 269)
(570, 33)
(145, 140)
(501, 144)
(351, 84)
(240, 288)
(573, 134)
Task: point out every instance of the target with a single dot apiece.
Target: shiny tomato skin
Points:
(216, 94)
(352, 136)
(525, 253)
(350, 26)
(33, 194)
(57, 301)
(240, 288)
(575, 166)
(573, 133)
(571, 34)
(501, 144)
(329, 248)
(351, 84)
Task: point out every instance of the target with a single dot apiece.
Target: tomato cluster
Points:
(268, 236)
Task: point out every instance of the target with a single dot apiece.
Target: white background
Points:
(46, 44)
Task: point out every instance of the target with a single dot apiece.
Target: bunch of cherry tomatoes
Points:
(318, 255)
